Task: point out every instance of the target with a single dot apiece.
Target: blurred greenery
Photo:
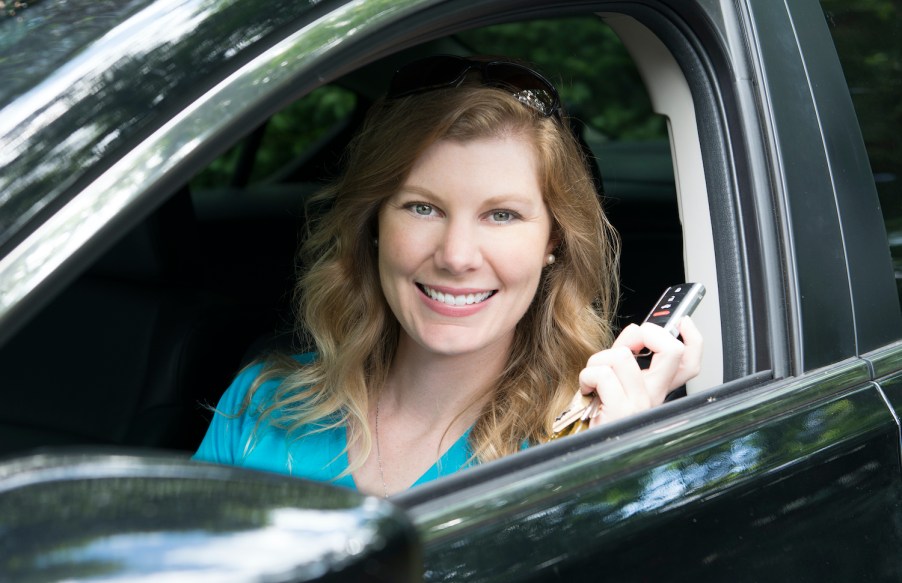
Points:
(596, 77)
(287, 136)
(291, 131)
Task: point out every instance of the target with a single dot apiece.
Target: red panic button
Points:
(661, 313)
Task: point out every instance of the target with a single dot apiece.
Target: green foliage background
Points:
(596, 78)
(287, 136)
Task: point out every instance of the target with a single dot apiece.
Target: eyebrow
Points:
(414, 189)
(498, 199)
(511, 197)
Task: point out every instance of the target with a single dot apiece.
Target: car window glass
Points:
(26, 56)
(868, 37)
(80, 83)
(597, 79)
(283, 141)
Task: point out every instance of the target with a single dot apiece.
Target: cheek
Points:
(520, 263)
(400, 249)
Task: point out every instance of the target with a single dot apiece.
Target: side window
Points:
(868, 37)
(583, 57)
(280, 146)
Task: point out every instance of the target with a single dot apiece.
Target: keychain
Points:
(676, 301)
(576, 416)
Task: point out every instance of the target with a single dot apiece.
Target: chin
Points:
(465, 342)
(451, 348)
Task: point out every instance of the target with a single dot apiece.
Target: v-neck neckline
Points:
(455, 458)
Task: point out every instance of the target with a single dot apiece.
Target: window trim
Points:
(671, 97)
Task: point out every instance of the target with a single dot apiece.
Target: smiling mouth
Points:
(456, 300)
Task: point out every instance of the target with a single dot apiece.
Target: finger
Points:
(658, 380)
(648, 335)
(610, 356)
(653, 337)
(649, 339)
(614, 402)
(622, 361)
(666, 360)
(630, 337)
(691, 362)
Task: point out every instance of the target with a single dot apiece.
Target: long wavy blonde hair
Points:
(340, 303)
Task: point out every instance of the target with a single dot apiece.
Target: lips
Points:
(461, 299)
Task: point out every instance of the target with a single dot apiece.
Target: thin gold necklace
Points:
(379, 451)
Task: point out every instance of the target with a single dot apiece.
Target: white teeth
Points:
(452, 300)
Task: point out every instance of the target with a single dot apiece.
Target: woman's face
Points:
(463, 243)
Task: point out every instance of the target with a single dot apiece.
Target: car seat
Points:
(127, 354)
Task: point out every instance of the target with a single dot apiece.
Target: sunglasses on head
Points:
(445, 71)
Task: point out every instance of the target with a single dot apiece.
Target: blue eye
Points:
(503, 216)
(422, 209)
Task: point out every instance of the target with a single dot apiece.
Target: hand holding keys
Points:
(675, 303)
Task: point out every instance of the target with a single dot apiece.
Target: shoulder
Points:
(263, 378)
(235, 420)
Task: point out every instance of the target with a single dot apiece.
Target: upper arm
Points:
(226, 434)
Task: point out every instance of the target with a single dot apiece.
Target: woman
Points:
(463, 277)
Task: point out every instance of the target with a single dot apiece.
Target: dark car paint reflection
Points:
(777, 476)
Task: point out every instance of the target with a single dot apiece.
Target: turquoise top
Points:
(320, 456)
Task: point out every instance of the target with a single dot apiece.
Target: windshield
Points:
(40, 38)
(91, 78)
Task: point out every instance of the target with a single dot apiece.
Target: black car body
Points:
(130, 292)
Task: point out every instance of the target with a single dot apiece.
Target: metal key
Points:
(576, 417)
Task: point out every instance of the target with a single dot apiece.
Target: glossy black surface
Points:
(80, 117)
(128, 517)
(777, 478)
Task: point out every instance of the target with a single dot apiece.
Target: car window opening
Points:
(223, 248)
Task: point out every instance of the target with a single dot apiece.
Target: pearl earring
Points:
(375, 242)
(550, 259)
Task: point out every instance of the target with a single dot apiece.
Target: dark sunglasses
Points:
(445, 71)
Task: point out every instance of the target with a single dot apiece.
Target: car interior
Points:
(135, 351)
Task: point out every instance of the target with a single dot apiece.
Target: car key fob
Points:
(676, 302)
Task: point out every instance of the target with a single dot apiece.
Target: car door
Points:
(867, 41)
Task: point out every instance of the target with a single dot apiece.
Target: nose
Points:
(459, 249)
